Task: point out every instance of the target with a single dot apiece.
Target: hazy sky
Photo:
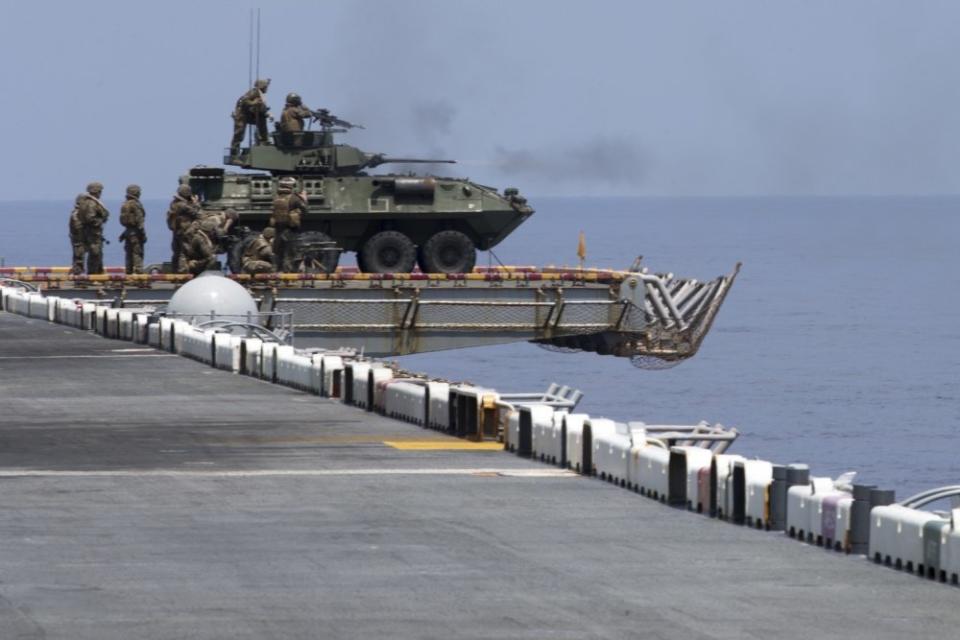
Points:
(670, 98)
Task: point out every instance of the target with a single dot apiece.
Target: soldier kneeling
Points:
(203, 237)
(258, 256)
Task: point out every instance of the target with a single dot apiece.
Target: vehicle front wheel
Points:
(387, 252)
(449, 252)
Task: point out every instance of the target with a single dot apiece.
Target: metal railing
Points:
(272, 325)
(715, 437)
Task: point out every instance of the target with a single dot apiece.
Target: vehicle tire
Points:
(449, 252)
(311, 257)
(236, 251)
(387, 252)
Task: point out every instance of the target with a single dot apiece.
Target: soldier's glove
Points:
(123, 236)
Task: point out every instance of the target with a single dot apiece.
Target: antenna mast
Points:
(258, 42)
(250, 72)
(250, 53)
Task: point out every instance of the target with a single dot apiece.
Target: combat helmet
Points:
(263, 84)
(133, 190)
(95, 188)
(294, 99)
(269, 233)
(184, 191)
(286, 184)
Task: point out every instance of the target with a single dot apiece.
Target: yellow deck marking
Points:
(443, 445)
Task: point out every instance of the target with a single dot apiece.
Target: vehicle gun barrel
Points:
(379, 159)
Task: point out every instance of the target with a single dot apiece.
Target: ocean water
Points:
(838, 346)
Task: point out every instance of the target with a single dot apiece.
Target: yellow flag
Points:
(582, 247)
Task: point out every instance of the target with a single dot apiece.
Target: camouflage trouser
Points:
(133, 246)
(256, 266)
(240, 130)
(78, 251)
(283, 242)
(196, 267)
(93, 246)
(176, 260)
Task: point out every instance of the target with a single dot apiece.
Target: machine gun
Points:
(327, 120)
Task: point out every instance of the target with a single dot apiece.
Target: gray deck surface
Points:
(152, 514)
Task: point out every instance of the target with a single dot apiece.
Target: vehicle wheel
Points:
(316, 252)
(236, 251)
(449, 252)
(387, 252)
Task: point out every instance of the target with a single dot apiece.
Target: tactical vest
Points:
(128, 214)
(281, 211)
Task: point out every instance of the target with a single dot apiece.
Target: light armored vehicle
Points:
(392, 221)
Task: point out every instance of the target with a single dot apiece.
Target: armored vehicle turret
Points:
(392, 221)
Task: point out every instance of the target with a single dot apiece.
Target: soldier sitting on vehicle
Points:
(288, 210)
(252, 109)
(258, 256)
(294, 113)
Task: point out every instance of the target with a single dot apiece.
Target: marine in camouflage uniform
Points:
(258, 256)
(182, 212)
(252, 109)
(288, 209)
(134, 235)
(76, 238)
(294, 113)
(200, 249)
(92, 215)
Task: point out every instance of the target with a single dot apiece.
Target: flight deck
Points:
(152, 496)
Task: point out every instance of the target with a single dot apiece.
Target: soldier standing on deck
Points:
(183, 211)
(251, 109)
(288, 210)
(92, 215)
(134, 236)
(76, 238)
(294, 113)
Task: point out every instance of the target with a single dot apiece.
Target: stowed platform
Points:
(634, 314)
(150, 496)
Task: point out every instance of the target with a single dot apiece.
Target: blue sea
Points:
(838, 346)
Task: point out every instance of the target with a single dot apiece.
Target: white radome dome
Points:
(212, 292)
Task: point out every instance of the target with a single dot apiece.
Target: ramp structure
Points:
(654, 319)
